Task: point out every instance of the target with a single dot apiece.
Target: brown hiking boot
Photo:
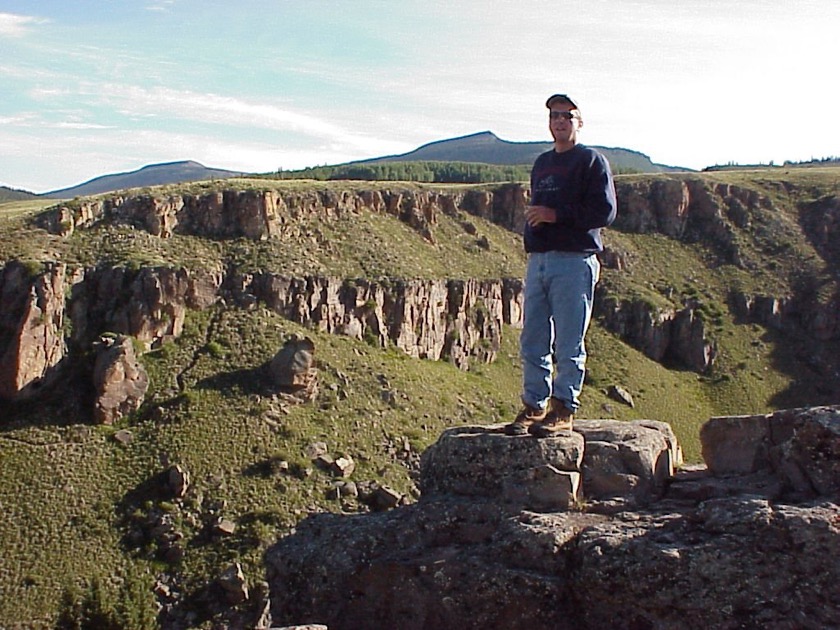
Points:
(559, 418)
(524, 420)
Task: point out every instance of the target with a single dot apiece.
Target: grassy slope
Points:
(68, 489)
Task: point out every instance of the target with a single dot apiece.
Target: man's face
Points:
(564, 129)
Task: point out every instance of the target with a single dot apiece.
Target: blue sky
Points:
(89, 87)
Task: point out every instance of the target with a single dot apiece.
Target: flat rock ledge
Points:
(597, 528)
(604, 460)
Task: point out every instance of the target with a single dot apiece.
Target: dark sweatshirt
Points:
(578, 184)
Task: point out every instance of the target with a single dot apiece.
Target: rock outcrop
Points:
(820, 320)
(252, 214)
(798, 448)
(149, 303)
(695, 210)
(32, 322)
(689, 208)
(662, 334)
(679, 207)
(432, 319)
(457, 320)
(293, 371)
(492, 543)
(119, 379)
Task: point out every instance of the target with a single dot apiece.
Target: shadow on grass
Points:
(813, 365)
(249, 381)
(66, 401)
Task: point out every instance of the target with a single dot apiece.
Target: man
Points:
(572, 198)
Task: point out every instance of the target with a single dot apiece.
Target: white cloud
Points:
(162, 6)
(34, 120)
(79, 125)
(23, 119)
(217, 109)
(12, 25)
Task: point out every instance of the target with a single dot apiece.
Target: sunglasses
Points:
(565, 115)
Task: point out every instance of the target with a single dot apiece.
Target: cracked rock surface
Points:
(682, 549)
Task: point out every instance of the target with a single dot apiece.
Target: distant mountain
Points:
(12, 194)
(487, 148)
(152, 175)
(483, 147)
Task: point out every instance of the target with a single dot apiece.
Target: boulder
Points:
(620, 394)
(119, 379)
(177, 481)
(799, 447)
(233, 584)
(628, 460)
(293, 371)
(379, 498)
(483, 461)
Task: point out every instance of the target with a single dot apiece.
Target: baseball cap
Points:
(558, 98)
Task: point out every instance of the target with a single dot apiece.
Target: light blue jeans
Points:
(559, 289)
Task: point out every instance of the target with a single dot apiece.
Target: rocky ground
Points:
(591, 529)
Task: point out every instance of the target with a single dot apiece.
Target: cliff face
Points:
(718, 216)
(260, 215)
(454, 319)
(432, 319)
(676, 335)
(457, 320)
(31, 327)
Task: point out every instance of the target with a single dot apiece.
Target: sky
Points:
(89, 88)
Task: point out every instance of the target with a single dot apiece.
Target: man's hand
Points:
(534, 215)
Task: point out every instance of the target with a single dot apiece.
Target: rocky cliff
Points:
(457, 320)
(719, 216)
(453, 319)
(591, 529)
(32, 324)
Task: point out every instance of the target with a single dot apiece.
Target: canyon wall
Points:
(458, 320)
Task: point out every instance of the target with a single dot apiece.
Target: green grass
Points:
(12, 209)
(226, 433)
(64, 489)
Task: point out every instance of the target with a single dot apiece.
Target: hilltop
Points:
(487, 148)
(719, 296)
(11, 194)
(151, 175)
